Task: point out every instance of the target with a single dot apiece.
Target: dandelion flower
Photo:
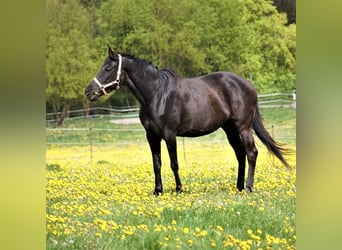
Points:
(203, 233)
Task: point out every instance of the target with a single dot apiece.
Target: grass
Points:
(107, 202)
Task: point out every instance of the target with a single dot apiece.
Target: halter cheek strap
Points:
(115, 82)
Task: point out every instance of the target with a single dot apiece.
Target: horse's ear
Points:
(110, 52)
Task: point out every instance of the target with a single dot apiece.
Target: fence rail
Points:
(273, 100)
(102, 128)
(277, 100)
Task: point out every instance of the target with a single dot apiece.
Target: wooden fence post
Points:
(91, 143)
(184, 150)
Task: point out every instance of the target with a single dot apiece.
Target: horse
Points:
(171, 106)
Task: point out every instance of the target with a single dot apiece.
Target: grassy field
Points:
(106, 202)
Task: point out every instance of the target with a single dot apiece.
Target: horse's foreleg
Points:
(154, 143)
(172, 149)
(252, 154)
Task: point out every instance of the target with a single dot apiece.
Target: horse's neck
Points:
(143, 86)
(143, 100)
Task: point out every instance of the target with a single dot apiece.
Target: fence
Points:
(274, 100)
(277, 100)
(97, 111)
(107, 126)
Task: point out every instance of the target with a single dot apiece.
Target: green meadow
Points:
(106, 202)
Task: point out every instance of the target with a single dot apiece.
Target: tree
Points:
(249, 38)
(69, 57)
(271, 56)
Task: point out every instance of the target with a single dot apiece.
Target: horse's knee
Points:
(255, 152)
(174, 168)
(252, 154)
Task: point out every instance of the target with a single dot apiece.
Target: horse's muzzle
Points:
(92, 96)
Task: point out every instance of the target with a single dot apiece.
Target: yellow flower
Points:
(255, 237)
(157, 228)
(186, 230)
(203, 233)
(128, 232)
(157, 214)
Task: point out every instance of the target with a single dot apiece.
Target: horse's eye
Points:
(110, 67)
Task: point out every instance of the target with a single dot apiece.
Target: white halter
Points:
(116, 81)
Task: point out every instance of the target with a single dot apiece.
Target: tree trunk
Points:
(65, 114)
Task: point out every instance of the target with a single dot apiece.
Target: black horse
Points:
(175, 106)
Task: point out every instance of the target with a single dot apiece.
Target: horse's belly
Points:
(199, 127)
(193, 133)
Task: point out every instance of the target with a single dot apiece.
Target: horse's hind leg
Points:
(240, 152)
(252, 154)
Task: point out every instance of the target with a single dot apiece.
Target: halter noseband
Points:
(116, 81)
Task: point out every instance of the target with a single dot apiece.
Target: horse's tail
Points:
(272, 146)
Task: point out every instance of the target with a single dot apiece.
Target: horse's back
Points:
(229, 80)
(212, 100)
(224, 87)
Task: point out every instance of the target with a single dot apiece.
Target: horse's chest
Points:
(160, 122)
(152, 122)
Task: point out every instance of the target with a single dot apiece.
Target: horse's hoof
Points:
(240, 188)
(249, 189)
(178, 191)
(157, 192)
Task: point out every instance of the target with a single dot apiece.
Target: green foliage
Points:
(69, 62)
(247, 37)
(274, 68)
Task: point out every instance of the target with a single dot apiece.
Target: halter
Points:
(116, 81)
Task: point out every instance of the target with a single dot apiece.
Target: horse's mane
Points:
(143, 66)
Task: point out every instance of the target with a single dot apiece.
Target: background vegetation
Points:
(250, 38)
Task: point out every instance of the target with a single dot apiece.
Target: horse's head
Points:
(108, 78)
